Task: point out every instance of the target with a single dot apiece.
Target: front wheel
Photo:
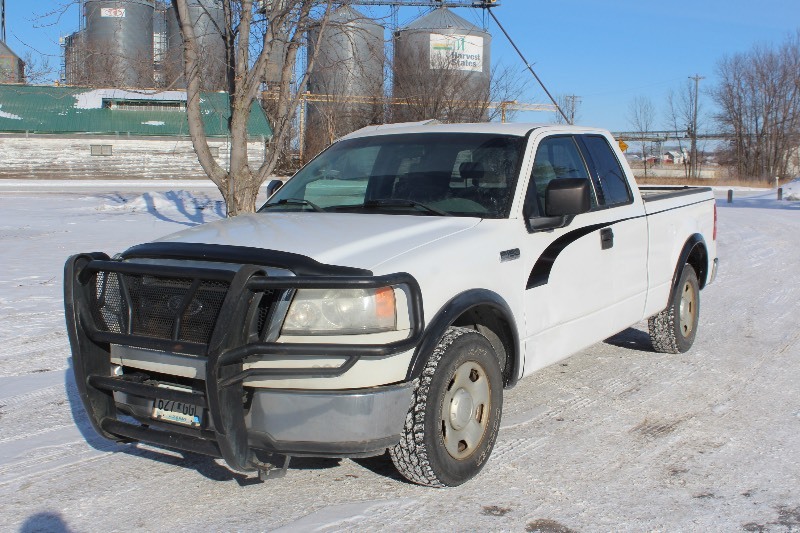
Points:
(673, 329)
(452, 424)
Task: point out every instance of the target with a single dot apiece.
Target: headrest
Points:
(472, 171)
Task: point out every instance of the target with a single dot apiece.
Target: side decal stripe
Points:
(540, 274)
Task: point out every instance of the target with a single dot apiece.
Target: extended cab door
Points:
(587, 280)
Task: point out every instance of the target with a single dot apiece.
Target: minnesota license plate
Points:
(178, 412)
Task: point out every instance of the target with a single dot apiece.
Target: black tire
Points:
(673, 330)
(450, 431)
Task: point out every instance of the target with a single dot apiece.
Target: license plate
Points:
(178, 412)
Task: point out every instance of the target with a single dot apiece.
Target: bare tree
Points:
(506, 85)
(642, 118)
(679, 116)
(448, 94)
(37, 69)
(255, 34)
(347, 85)
(436, 88)
(681, 119)
(569, 104)
(759, 98)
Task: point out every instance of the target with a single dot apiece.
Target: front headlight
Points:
(341, 312)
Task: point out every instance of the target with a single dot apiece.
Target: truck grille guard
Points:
(210, 313)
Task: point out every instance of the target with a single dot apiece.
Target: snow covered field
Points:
(616, 438)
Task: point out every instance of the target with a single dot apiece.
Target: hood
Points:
(345, 239)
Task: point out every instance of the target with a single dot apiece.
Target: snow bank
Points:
(12, 116)
(791, 191)
(171, 203)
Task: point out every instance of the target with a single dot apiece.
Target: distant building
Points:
(83, 133)
(673, 157)
(12, 68)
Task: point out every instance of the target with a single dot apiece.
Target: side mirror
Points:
(564, 198)
(567, 196)
(273, 186)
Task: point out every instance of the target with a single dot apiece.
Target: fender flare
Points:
(694, 242)
(449, 313)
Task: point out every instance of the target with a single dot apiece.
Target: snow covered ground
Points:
(616, 438)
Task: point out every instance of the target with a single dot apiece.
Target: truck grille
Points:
(181, 310)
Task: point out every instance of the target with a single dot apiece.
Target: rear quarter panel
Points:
(671, 221)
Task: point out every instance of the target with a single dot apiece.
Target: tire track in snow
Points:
(44, 353)
(346, 517)
(15, 390)
(21, 346)
(47, 450)
(516, 448)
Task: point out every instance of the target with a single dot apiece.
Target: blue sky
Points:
(605, 52)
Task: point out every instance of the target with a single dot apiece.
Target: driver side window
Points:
(556, 157)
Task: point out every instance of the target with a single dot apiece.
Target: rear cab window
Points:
(611, 184)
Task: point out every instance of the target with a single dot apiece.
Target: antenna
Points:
(3, 20)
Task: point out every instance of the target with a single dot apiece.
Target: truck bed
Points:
(653, 194)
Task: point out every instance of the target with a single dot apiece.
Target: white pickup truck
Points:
(384, 298)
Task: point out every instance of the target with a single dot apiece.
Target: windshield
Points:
(453, 174)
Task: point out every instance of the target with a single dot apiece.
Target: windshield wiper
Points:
(391, 202)
(295, 201)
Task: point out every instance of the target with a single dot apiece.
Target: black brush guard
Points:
(228, 346)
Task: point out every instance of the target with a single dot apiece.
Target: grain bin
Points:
(119, 42)
(347, 80)
(75, 59)
(442, 68)
(208, 20)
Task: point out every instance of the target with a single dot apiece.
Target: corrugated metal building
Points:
(83, 133)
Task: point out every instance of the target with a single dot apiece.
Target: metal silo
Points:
(119, 42)
(441, 53)
(208, 20)
(75, 59)
(159, 42)
(346, 84)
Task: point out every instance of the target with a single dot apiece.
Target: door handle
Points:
(606, 238)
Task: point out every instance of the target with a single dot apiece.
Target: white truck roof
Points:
(429, 126)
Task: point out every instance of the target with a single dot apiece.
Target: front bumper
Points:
(329, 423)
(240, 420)
(347, 423)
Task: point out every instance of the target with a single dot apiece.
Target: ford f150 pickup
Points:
(385, 297)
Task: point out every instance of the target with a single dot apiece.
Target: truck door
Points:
(587, 280)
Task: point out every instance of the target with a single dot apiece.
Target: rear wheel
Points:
(452, 424)
(673, 330)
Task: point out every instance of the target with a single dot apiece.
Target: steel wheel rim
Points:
(465, 410)
(688, 309)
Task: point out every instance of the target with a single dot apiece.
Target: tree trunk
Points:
(267, 23)
(240, 195)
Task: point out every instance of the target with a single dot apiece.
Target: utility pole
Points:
(3, 20)
(693, 167)
(571, 102)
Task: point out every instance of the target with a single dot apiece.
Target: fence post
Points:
(730, 196)
(780, 193)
